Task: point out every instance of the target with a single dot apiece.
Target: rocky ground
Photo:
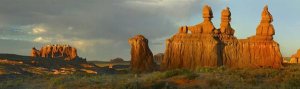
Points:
(18, 72)
(202, 78)
(11, 64)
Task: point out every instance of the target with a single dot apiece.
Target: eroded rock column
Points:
(141, 55)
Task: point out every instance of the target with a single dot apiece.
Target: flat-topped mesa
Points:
(141, 55)
(265, 29)
(65, 52)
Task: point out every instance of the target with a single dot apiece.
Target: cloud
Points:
(98, 28)
(39, 30)
(41, 40)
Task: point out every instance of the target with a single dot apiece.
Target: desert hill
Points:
(35, 64)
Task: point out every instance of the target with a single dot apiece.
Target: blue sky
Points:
(99, 29)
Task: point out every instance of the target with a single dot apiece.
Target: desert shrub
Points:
(10, 84)
(210, 69)
(162, 85)
(293, 84)
(191, 76)
(214, 82)
(176, 72)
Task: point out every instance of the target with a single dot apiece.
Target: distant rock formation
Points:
(117, 60)
(141, 55)
(158, 58)
(65, 52)
(295, 58)
(18, 64)
(204, 46)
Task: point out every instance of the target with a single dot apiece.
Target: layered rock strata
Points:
(141, 55)
(204, 46)
(194, 46)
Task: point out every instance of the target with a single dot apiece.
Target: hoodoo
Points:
(204, 46)
(141, 55)
(196, 49)
(261, 50)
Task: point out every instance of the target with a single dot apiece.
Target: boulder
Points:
(141, 55)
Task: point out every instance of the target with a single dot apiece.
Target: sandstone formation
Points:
(295, 58)
(141, 55)
(158, 58)
(65, 52)
(204, 46)
(261, 50)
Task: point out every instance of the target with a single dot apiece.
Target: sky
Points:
(100, 29)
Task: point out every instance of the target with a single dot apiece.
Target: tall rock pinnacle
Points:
(141, 55)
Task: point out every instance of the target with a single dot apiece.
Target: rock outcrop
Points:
(158, 58)
(204, 46)
(141, 55)
(65, 52)
(295, 58)
(261, 50)
(196, 49)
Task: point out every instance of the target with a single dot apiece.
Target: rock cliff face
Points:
(261, 50)
(158, 58)
(204, 46)
(65, 52)
(196, 49)
(295, 58)
(141, 55)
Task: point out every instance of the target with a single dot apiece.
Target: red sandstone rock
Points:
(261, 50)
(265, 29)
(66, 52)
(141, 55)
(35, 52)
(158, 58)
(198, 49)
(209, 47)
(206, 26)
(295, 58)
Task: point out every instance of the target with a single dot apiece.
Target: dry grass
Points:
(202, 78)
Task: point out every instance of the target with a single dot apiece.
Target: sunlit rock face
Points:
(204, 46)
(141, 55)
(295, 58)
(261, 50)
(65, 52)
(228, 40)
(194, 46)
